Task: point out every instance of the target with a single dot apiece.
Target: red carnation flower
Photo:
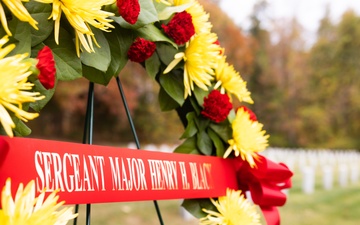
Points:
(216, 106)
(251, 113)
(46, 66)
(129, 10)
(141, 50)
(180, 28)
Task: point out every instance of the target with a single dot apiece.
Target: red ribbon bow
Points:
(265, 183)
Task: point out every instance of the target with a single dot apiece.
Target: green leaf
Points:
(195, 206)
(68, 65)
(21, 36)
(168, 11)
(166, 102)
(195, 105)
(191, 128)
(152, 66)
(204, 143)
(219, 144)
(96, 76)
(201, 123)
(38, 105)
(152, 33)
(148, 14)
(119, 40)
(2, 34)
(188, 147)
(200, 94)
(35, 50)
(100, 59)
(173, 85)
(41, 13)
(2, 130)
(223, 130)
(20, 128)
(166, 52)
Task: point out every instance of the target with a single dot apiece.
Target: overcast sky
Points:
(308, 12)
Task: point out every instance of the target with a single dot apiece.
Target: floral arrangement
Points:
(45, 40)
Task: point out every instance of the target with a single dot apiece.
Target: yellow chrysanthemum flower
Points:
(18, 9)
(248, 137)
(14, 88)
(26, 209)
(231, 82)
(81, 14)
(200, 18)
(200, 57)
(233, 209)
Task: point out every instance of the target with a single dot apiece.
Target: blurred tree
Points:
(63, 116)
(279, 76)
(335, 70)
(261, 83)
(289, 71)
(238, 46)
(315, 128)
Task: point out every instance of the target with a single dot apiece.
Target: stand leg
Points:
(135, 137)
(88, 139)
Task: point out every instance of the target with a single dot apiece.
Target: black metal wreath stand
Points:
(88, 138)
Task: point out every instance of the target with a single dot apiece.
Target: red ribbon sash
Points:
(98, 174)
(95, 174)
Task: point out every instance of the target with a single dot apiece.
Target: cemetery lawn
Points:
(335, 206)
(323, 207)
(135, 213)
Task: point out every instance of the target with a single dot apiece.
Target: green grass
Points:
(323, 207)
(338, 206)
(135, 213)
(335, 206)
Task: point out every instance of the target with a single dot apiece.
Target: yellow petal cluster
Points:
(81, 14)
(248, 137)
(14, 88)
(200, 59)
(231, 82)
(200, 18)
(17, 9)
(233, 209)
(29, 210)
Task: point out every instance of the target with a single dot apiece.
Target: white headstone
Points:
(343, 175)
(354, 173)
(165, 148)
(308, 182)
(150, 147)
(131, 145)
(328, 179)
